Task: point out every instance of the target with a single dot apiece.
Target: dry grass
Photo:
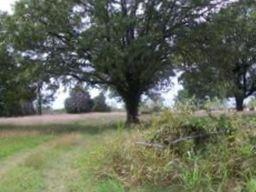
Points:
(64, 119)
(224, 163)
(18, 133)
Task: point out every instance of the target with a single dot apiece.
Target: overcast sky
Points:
(6, 5)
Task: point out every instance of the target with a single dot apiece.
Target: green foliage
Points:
(152, 105)
(93, 155)
(32, 181)
(128, 46)
(214, 104)
(251, 185)
(186, 104)
(79, 101)
(173, 126)
(110, 185)
(13, 145)
(100, 104)
(221, 63)
(225, 159)
(252, 104)
(16, 94)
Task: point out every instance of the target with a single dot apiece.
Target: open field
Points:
(63, 118)
(96, 153)
(43, 153)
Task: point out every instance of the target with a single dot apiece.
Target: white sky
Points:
(6, 5)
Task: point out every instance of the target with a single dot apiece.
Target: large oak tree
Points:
(127, 45)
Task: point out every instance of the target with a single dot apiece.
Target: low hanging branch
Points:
(179, 140)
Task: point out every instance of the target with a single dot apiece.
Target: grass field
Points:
(46, 156)
(98, 154)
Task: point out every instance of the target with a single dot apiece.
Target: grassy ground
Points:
(100, 155)
(44, 157)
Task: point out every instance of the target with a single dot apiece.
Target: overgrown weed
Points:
(225, 162)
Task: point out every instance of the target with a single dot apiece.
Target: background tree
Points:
(32, 61)
(79, 101)
(16, 94)
(202, 85)
(222, 56)
(100, 104)
(45, 83)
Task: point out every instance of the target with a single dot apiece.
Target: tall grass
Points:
(12, 145)
(223, 162)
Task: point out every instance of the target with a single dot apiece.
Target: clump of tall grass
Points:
(224, 162)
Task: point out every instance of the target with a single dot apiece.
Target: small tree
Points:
(100, 104)
(79, 101)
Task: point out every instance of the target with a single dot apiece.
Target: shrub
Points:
(252, 104)
(79, 101)
(150, 108)
(100, 104)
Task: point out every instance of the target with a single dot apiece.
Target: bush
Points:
(79, 101)
(252, 104)
(150, 106)
(100, 104)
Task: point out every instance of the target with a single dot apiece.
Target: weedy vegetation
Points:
(179, 152)
(174, 151)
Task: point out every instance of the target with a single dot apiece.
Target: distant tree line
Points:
(131, 47)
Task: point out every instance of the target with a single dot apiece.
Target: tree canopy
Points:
(128, 46)
(222, 59)
(131, 47)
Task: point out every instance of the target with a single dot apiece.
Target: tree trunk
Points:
(239, 103)
(39, 106)
(39, 98)
(132, 109)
